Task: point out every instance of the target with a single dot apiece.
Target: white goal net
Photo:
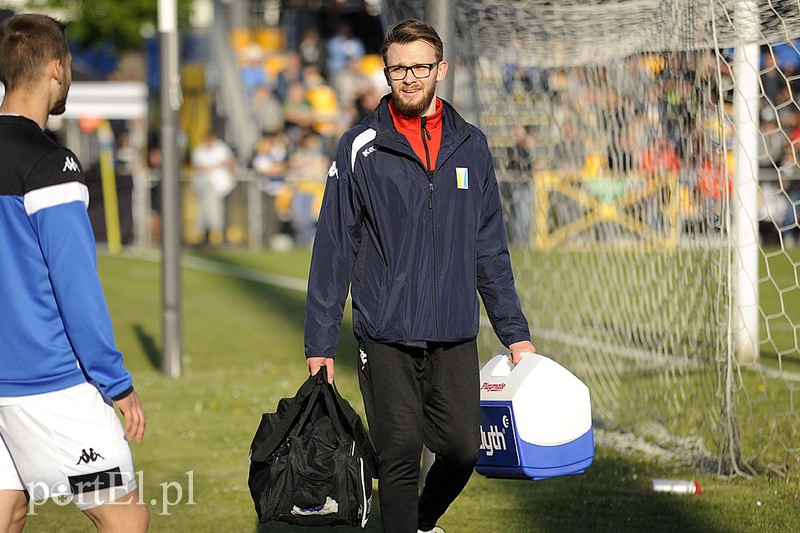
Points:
(646, 153)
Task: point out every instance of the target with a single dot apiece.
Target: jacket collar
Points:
(454, 129)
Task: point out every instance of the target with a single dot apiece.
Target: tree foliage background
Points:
(119, 24)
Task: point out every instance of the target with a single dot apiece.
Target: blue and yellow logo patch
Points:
(462, 177)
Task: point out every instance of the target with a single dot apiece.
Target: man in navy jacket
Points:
(411, 225)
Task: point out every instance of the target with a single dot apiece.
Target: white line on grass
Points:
(226, 269)
(235, 271)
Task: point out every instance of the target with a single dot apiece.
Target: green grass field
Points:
(243, 351)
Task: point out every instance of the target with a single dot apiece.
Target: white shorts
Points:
(67, 444)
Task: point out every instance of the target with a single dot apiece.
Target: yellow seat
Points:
(274, 64)
(271, 39)
(323, 100)
(371, 63)
(240, 38)
(325, 108)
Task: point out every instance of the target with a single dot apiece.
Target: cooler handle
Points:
(504, 365)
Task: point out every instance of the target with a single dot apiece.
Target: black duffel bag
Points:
(311, 462)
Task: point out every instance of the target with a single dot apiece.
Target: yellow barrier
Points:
(109, 180)
(602, 199)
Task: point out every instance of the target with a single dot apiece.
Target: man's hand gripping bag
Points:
(311, 462)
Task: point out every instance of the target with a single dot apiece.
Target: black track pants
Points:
(416, 396)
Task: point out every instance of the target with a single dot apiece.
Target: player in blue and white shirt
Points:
(60, 369)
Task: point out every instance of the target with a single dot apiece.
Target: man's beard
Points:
(61, 104)
(411, 109)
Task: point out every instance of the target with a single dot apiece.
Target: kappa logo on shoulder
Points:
(333, 172)
(369, 150)
(70, 165)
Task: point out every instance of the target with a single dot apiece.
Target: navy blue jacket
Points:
(413, 249)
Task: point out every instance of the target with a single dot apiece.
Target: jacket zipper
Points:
(426, 136)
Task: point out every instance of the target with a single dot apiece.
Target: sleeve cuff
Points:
(121, 396)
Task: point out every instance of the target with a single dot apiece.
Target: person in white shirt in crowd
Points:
(213, 179)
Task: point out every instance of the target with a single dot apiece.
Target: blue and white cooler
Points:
(536, 420)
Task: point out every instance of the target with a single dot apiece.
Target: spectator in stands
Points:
(714, 186)
(270, 164)
(569, 151)
(291, 72)
(342, 47)
(297, 111)
(124, 163)
(349, 85)
(522, 78)
(268, 110)
(660, 157)
(787, 113)
(789, 117)
(307, 171)
(779, 203)
(787, 56)
(771, 143)
(660, 162)
(367, 102)
(154, 163)
(774, 211)
(515, 189)
(313, 77)
(772, 78)
(213, 179)
(252, 71)
(312, 50)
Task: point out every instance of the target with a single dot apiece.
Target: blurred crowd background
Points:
(269, 86)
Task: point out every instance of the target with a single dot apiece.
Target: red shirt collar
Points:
(406, 124)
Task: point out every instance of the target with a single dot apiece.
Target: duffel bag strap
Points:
(355, 428)
(292, 420)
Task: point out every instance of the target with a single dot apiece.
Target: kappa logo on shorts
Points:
(88, 457)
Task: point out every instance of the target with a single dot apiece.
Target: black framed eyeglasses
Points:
(420, 71)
